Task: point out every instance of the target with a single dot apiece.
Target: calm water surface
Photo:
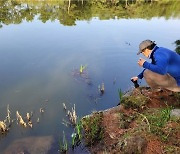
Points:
(38, 64)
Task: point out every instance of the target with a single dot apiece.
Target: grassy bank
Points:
(142, 123)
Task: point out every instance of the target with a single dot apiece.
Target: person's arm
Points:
(140, 76)
(161, 64)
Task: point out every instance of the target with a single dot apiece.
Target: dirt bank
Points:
(142, 123)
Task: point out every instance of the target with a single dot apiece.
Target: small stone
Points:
(176, 113)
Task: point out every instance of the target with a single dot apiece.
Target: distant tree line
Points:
(177, 49)
(67, 12)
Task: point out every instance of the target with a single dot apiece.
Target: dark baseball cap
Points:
(144, 44)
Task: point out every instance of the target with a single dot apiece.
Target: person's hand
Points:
(135, 78)
(141, 61)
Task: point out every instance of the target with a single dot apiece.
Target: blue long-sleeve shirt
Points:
(163, 61)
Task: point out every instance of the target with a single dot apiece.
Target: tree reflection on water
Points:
(67, 12)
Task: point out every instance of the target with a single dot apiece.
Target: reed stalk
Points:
(120, 94)
(3, 127)
(20, 119)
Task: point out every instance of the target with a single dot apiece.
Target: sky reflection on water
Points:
(37, 61)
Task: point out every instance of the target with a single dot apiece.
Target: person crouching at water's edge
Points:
(164, 70)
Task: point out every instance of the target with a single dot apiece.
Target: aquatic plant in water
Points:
(64, 106)
(76, 124)
(41, 110)
(82, 68)
(5, 124)
(79, 129)
(28, 117)
(73, 139)
(20, 119)
(8, 114)
(71, 114)
(120, 94)
(3, 127)
(26, 121)
(38, 120)
(77, 135)
(101, 88)
(64, 144)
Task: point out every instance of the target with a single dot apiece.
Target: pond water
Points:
(39, 64)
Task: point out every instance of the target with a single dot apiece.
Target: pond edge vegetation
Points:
(136, 121)
(150, 124)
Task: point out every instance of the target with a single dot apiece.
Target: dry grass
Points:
(3, 127)
(20, 119)
(71, 114)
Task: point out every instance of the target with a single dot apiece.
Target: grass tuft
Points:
(93, 132)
